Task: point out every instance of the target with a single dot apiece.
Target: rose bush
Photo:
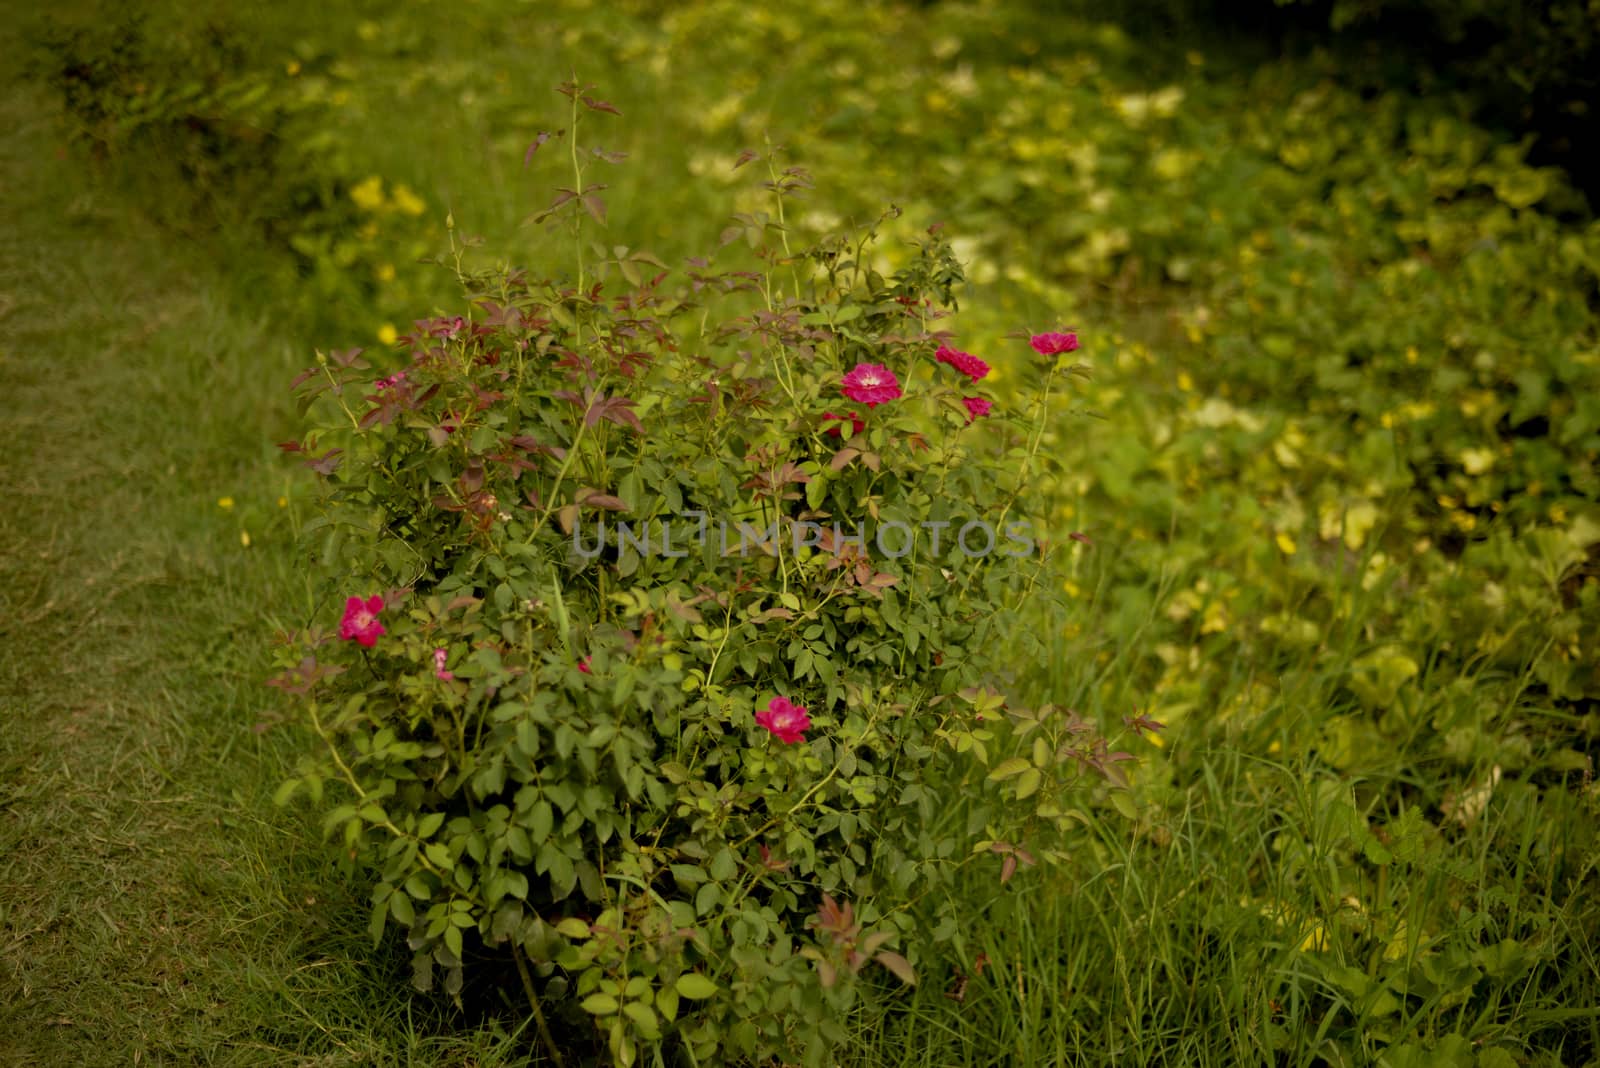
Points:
(673, 676)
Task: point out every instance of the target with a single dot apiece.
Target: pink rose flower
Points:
(1051, 344)
(976, 407)
(788, 721)
(360, 620)
(583, 666)
(439, 657)
(965, 362)
(871, 384)
(857, 424)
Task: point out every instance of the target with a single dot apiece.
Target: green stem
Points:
(577, 187)
(798, 805)
(1033, 448)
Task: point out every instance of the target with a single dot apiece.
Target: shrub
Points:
(671, 610)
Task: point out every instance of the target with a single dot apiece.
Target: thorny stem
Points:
(533, 1003)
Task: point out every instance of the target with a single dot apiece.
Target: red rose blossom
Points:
(1051, 344)
(786, 720)
(976, 407)
(871, 384)
(965, 362)
(360, 620)
(439, 657)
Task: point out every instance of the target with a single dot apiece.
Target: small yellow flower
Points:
(1477, 461)
(1185, 383)
(368, 193)
(292, 67)
(384, 272)
(1286, 544)
(408, 202)
(388, 334)
(225, 503)
(244, 538)
(1316, 939)
(283, 502)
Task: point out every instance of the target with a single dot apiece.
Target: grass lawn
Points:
(1337, 463)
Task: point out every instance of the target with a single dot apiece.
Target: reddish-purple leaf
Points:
(898, 965)
(325, 464)
(538, 143)
(600, 105)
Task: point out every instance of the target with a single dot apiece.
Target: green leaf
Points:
(1028, 783)
(695, 986)
(642, 1014)
(724, 866)
(572, 927)
(599, 1004)
(667, 1002)
(283, 793)
(336, 819)
(400, 908)
(540, 822)
(1007, 768)
(1123, 802)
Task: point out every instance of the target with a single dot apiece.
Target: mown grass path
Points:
(155, 909)
(148, 913)
(116, 684)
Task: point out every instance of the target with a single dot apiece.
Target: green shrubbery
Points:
(617, 524)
